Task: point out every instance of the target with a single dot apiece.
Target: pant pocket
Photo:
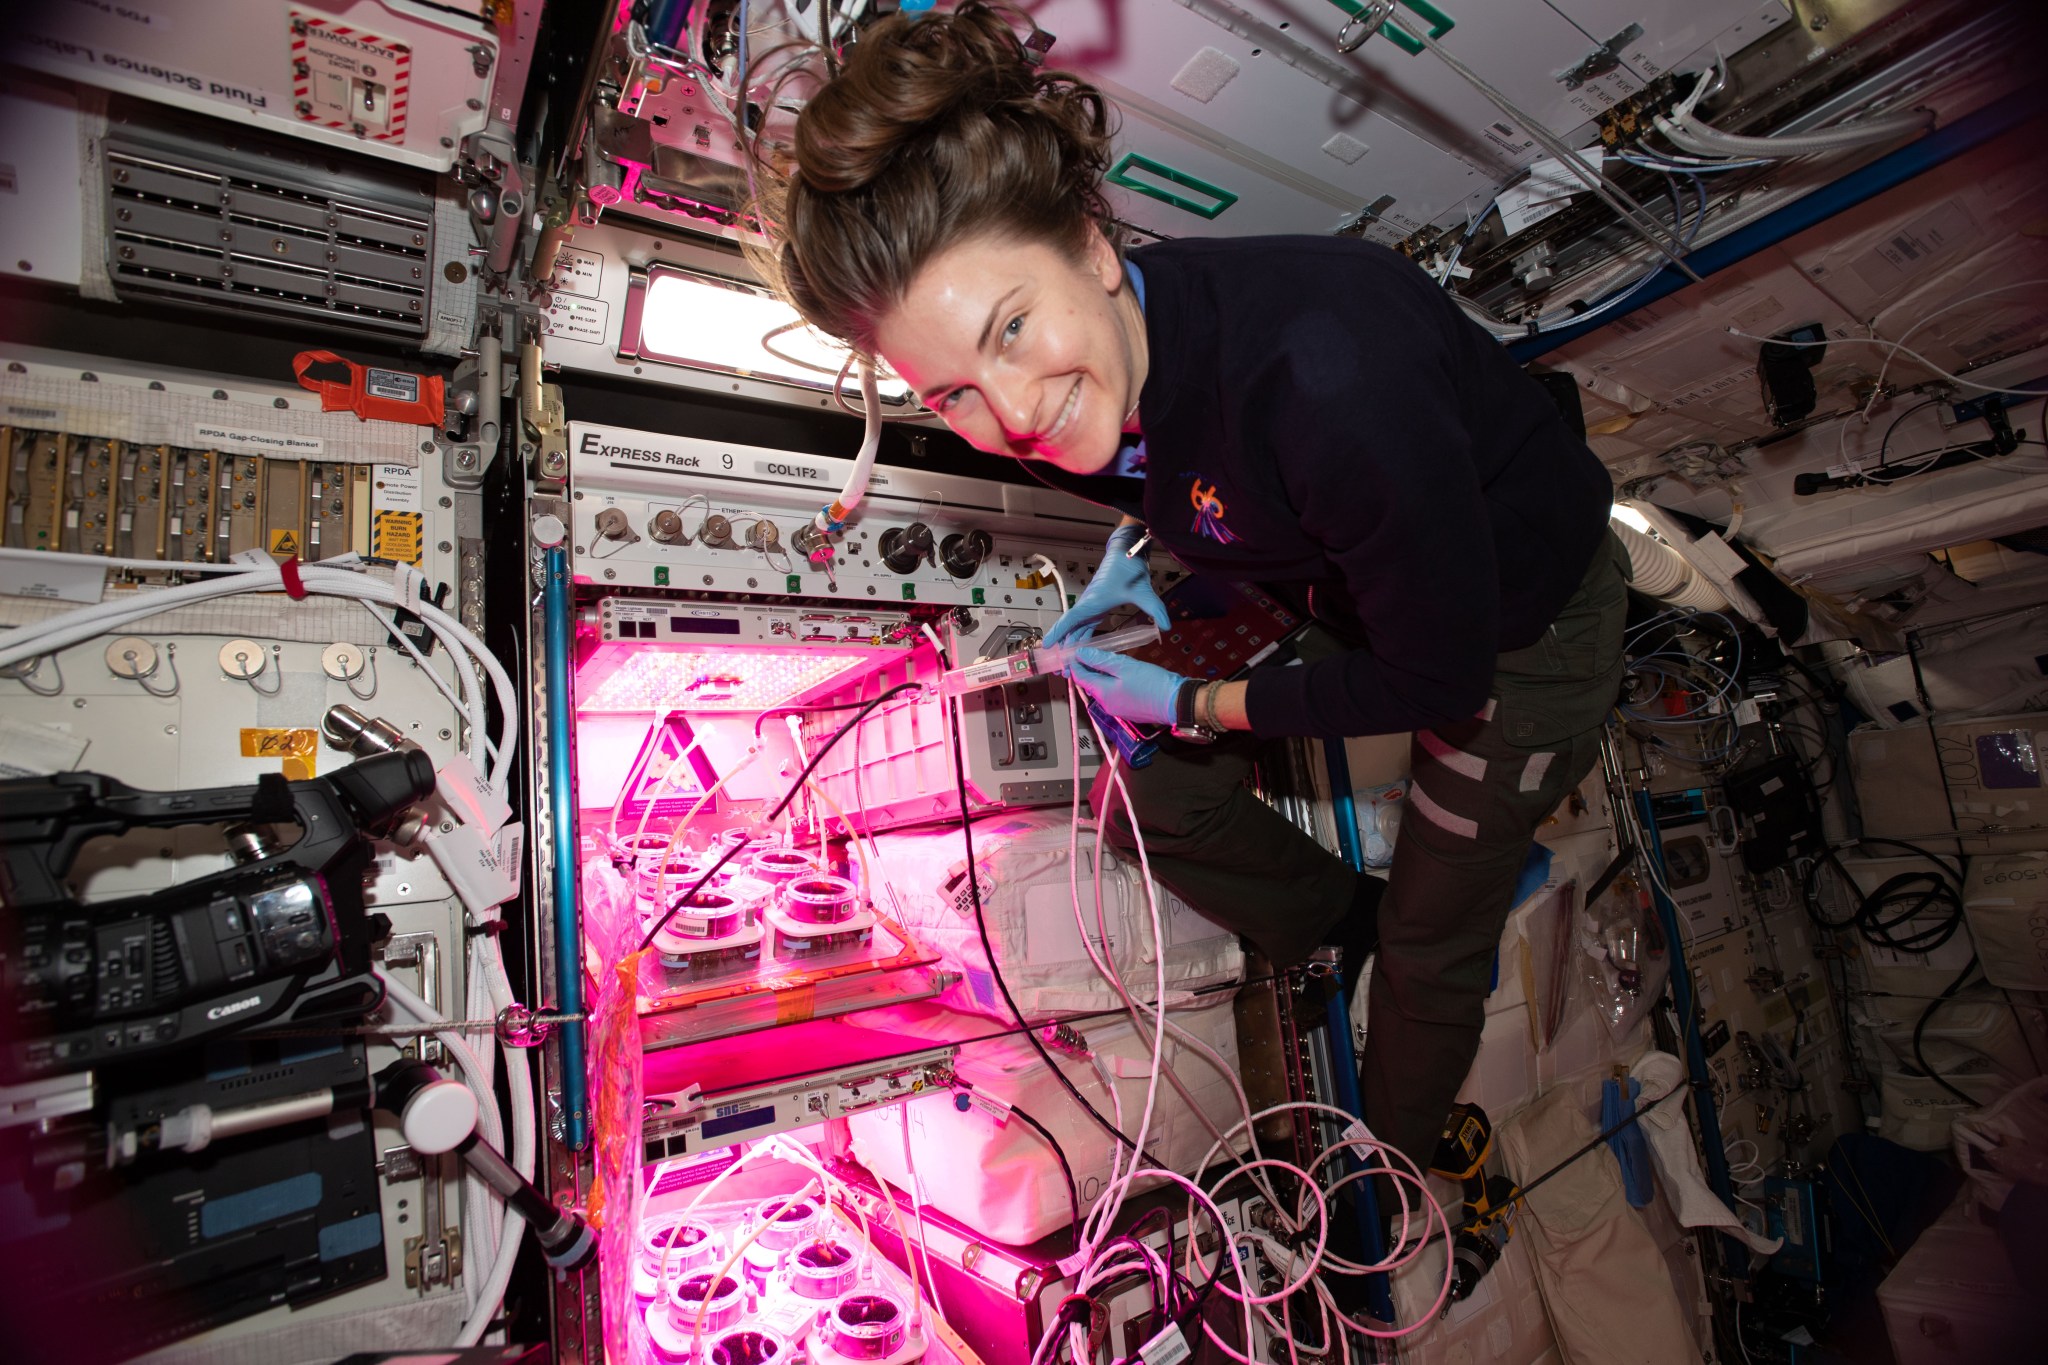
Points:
(1565, 683)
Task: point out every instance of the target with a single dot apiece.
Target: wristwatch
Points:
(1185, 726)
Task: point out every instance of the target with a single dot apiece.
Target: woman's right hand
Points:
(1120, 581)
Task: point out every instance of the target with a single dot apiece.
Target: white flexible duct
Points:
(491, 1130)
(489, 1126)
(478, 1202)
(1661, 572)
(519, 1087)
(1690, 135)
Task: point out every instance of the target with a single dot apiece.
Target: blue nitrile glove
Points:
(1119, 582)
(1129, 689)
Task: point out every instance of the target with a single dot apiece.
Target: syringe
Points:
(1040, 661)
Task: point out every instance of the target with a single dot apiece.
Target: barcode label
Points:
(989, 1105)
(1168, 1348)
(393, 384)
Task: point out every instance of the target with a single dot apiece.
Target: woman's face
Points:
(1022, 349)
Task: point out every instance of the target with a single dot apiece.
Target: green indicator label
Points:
(910, 592)
(661, 575)
(977, 595)
(1071, 599)
(796, 582)
(1202, 199)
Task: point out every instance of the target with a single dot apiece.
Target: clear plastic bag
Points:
(1379, 821)
(611, 941)
(1624, 957)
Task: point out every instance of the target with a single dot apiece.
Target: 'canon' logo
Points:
(223, 1011)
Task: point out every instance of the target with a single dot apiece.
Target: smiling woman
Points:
(1024, 350)
(943, 207)
(1313, 415)
(934, 132)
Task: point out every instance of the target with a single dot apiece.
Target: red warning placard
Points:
(344, 77)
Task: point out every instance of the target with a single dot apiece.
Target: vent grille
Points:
(166, 978)
(246, 241)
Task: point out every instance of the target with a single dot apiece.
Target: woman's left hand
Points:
(1129, 689)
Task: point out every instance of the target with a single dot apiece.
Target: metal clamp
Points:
(522, 1026)
(1367, 22)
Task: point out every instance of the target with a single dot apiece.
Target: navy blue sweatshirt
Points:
(1318, 411)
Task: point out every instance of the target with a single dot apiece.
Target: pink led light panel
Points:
(649, 677)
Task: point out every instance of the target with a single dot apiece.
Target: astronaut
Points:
(1311, 414)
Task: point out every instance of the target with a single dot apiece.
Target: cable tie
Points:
(294, 587)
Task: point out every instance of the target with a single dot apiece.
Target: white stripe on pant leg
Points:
(1533, 770)
(1452, 757)
(1486, 712)
(1441, 818)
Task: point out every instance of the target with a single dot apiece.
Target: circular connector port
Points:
(961, 555)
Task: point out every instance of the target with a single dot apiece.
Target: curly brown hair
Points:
(935, 131)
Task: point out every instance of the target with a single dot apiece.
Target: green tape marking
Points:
(1218, 197)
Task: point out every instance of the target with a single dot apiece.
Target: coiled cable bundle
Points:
(1910, 912)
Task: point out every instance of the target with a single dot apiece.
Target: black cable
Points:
(995, 971)
(804, 710)
(1899, 901)
(780, 806)
(684, 899)
(1522, 1191)
(1885, 444)
(1823, 752)
(1978, 452)
(1165, 1215)
(1907, 897)
(1073, 1190)
(1920, 1029)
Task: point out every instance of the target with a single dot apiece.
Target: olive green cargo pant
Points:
(1479, 789)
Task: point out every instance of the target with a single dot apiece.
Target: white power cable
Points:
(470, 707)
(1897, 349)
(1632, 214)
(1122, 1180)
(831, 518)
(518, 1070)
(1044, 565)
(491, 1130)
(480, 1218)
(480, 1204)
(1103, 1216)
(1105, 964)
(215, 581)
(85, 623)
(1702, 139)
(1949, 308)
(917, 1211)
